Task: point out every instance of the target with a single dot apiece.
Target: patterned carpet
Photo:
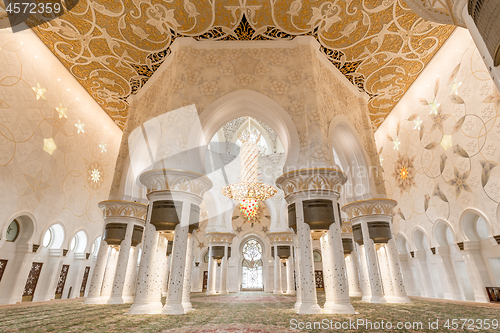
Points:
(234, 313)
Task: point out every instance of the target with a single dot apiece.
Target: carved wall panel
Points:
(31, 282)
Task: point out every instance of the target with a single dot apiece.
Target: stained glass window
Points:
(252, 265)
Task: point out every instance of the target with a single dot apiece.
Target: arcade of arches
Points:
(375, 192)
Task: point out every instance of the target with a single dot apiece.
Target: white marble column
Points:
(398, 285)
(352, 267)
(476, 269)
(427, 290)
(224, 270)
(94, 295)
(173, 304)
(131, 275)
(375, 291)
(186, 288)
(385, 273)
(48, 277)
(143, 290)
(158, 274)
(298, 301)
(364, 274)
(309, 301)
(290, 289)
(109, 274)
(212, 273)
(337, 300)
(121, 267)
(278, 290)
(167, 275)
(450, 285)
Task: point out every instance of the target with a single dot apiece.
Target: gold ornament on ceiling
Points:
(113, 47)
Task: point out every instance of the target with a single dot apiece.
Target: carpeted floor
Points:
(241, 312)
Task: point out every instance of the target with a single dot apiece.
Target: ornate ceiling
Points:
(113, 47)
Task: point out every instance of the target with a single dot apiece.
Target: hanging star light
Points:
(396, 144)
(80, 127)
(417, 123)
(49, 145)
(103, 147)
(454, 86)
(62, 111)
(434, 107)
(39, 91)
(249, 192)
(446, 142)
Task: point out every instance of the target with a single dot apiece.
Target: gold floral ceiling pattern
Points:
(113, 47)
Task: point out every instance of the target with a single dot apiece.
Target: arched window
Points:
(252, 265)
(53, 237)
(205, 258)
(317, 256)
(12, 231)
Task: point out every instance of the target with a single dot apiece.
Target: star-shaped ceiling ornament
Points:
(201, 245)
(49, 145)
(417, 123)
(396, 144)
(446, 142)
(62, 111)
(434, 107)
(454, 86)
(39, 91)
(35, 185)
(80, 127)
(239, 229)
(95, 175)
(103, 147)
(264, 229)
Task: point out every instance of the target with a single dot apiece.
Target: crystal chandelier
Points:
(249, 192)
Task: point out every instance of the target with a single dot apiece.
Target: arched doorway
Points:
(251, 273)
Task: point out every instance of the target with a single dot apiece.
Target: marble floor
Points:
(238, 312)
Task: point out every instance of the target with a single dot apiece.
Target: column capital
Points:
(175, 180)
(284, 237)
(369, 207)
(123, 209)
(346, 228)
(320, 181)
(220, 237)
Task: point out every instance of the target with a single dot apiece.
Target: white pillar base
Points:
(156, 307)
(211, 292)
(128, 299)
(309, 308)
(297, 305)
(173, 309)
(355, 294)
(278, 292)
(291, 292)
(374, 299)
(397, 299)
(333, 308)
(223, 292)
(115, 300)
(95, 300)
(138, 309)
(187, 306)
